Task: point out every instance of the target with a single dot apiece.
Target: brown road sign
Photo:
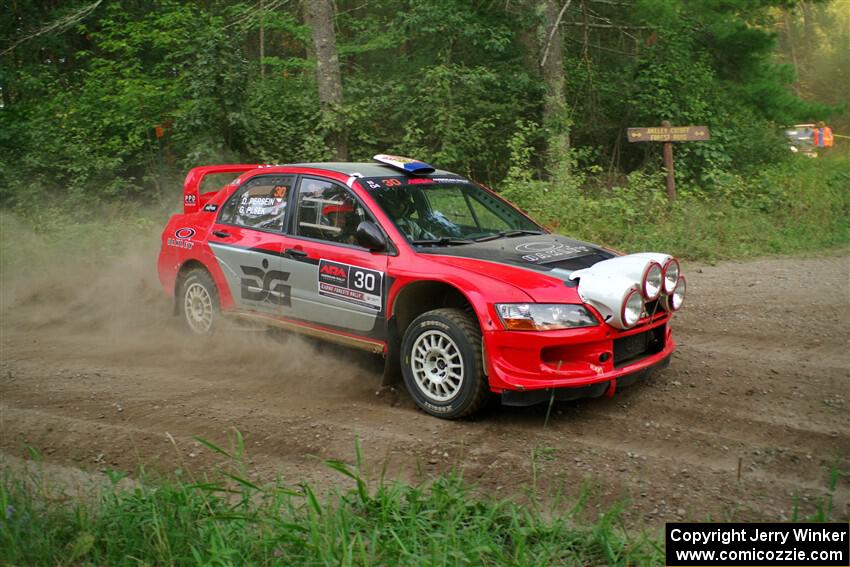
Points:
(669, 134)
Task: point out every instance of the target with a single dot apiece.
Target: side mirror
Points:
(369, 236)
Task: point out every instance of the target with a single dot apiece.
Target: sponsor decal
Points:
(351, 284)
(266, 286)
(210, 208)
(190, 199)
(548, 250)
(382, 182)
(256, 206)
(181, 238)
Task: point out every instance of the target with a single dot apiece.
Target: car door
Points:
(335, 282)
(248, 240)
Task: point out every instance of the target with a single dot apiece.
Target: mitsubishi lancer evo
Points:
(464, 296)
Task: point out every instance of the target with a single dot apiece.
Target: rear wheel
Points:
(198, 301)
(442, 363)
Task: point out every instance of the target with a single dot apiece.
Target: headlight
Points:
(676, 299)
(652, 281)
(671, 275)
(632, 308)
(544, 317)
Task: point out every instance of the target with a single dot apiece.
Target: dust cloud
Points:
(85, 298)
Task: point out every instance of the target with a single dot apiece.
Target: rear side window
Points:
(328, 211)
(260, 203)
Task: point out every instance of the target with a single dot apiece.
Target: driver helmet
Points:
(398, 203)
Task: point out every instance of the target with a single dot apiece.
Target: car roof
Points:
(365, 168)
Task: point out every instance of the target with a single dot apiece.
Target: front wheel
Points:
(198, 301)
(442, 363)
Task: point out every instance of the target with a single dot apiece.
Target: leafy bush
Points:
(797, 205)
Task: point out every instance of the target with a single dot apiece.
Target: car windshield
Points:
(447, 211)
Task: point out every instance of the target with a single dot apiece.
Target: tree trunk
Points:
(320, 17)
(786, 38)
(555, 114)
(262, 40)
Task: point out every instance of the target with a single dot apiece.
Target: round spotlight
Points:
(652, 281)
(632, 308)
(671, 275)
(678, 296)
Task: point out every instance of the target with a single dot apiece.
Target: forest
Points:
(115, 100)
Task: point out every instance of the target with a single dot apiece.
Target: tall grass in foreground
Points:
(232, 521)
(229, 520)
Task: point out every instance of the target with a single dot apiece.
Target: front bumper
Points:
(590, 359)
(532, 397)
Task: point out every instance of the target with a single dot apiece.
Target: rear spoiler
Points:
(192, 185)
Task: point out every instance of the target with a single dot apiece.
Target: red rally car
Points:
(463, 294)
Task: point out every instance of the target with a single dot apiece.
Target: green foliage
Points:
(798, 205)
(226, 519)
(120, 99)
(230, 520)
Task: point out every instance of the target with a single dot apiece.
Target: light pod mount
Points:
(619, 287)
(675, 299)
(646, 272)
(617, 297)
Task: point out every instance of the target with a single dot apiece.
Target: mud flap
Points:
(392, 362)
(612, 389)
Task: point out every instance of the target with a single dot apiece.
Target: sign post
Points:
(669, 134)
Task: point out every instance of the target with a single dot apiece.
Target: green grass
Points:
(226, 519)
(233, 521)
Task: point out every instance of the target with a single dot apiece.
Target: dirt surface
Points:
(751, 418)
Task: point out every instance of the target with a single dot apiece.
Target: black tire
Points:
(198, 292)
(431, 338)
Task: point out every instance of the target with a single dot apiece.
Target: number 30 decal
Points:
(351, 284)
(364, 280)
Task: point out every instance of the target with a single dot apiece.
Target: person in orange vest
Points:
(827, 135)
(822, 136)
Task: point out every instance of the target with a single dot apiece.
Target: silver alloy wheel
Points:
(437, 365)
(198, 308)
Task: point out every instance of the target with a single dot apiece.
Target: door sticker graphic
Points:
(351, 284)
(260, 285)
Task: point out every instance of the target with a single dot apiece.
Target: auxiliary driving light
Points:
(671, 275)
(675, 300)
(652, 281)
(632, 308)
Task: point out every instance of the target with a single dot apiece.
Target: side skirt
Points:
(370, 345)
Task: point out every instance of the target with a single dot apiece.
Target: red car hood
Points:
(539, 265)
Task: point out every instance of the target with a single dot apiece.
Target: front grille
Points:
(653, 307)
(640, 345)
